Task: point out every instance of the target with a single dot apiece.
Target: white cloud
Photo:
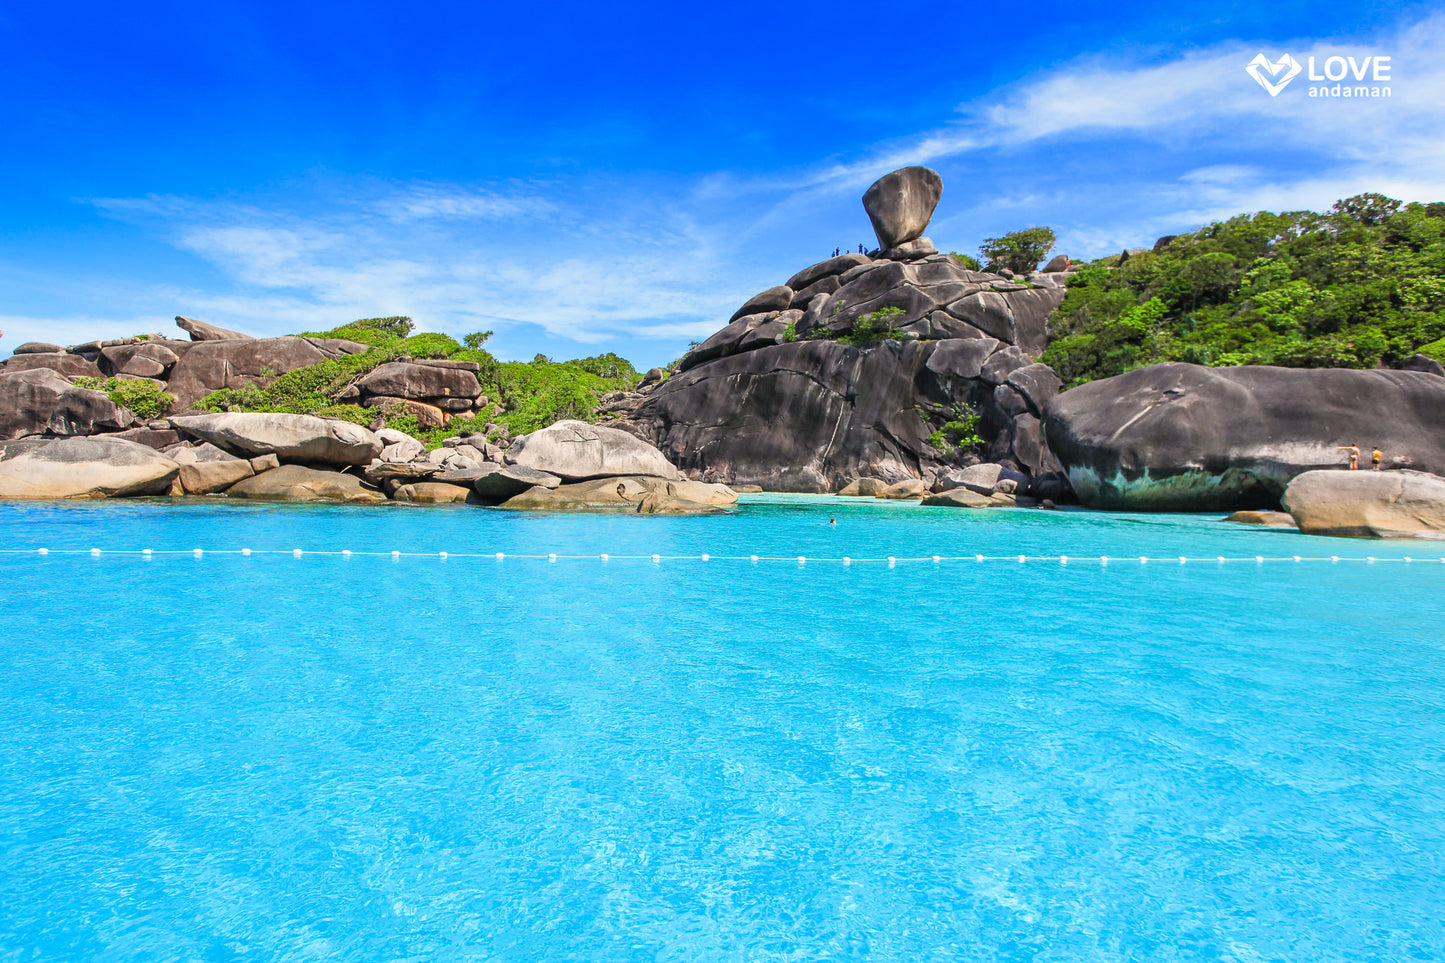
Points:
(1108, 151)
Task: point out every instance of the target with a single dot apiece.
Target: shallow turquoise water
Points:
(278, 758)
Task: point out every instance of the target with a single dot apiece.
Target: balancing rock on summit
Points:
(901, 204)
(203, 331)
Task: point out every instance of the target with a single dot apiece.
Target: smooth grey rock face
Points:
(86, 468)
(39, 401)
(398, 379)
(901, 204)
(38, 347)
(303, 438)
(575, 450)
(211, 365)
(1059, 262)
(1180, 437)
(203, 331)
(1368, 504)
(773, 299)
(816, 414)
(296, 483)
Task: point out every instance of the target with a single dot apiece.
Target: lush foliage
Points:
(533, 394)
(971, 263)
(145, 398)
(960, 433)
(867, 330)
(1361, 285)
(1019, 252)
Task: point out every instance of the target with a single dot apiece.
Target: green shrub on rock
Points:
(144, 398)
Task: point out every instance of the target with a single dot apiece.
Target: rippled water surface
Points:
(317, 758)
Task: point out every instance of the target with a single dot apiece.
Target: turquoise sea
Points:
(377, 758)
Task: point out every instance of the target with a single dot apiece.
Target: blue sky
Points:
(586, 178)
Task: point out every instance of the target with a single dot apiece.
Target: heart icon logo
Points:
(1285, 65)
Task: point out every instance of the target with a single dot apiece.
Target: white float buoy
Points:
(395, 554)
(197, 552)
(753, 558)
(500, 556)
(442, 556)
(657, 558)
(1259, 560)
(847, 560)
(46, 551)
(1143, 559)
(936, 559)
(551, 556)
(978, 558)
(1296, 558)
(95, 551)
(1063, 560)
(1182, 560)
(245, 551)
(346, 552)
(802, 559)
(604, 557)
(706, 557)
(1022, 559)
(145, 551)
(295, 553)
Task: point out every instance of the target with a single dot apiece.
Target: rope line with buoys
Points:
(890, 561)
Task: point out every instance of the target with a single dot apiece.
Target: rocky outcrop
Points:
(296, 483)
(38, 401)
(66, 364)
(500, 483)
(814, 415)
(1368, 504)
(1179, 437)
(901, 204)
(143, 359)
(212, 365)
(575, 450)
(449, 387)
(433, 493)
(83, 468)
(201, 331)
(639, 495)
(292, 438)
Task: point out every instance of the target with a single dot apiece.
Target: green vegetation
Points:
(790, 333)
(969, 262)
(867, 330)
(1361, 285)
(533, 394)
(959, 433)
(1019, 252)
(145, 398)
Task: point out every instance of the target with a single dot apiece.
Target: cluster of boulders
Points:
(217, 358)
(776, 399)
(301, 458)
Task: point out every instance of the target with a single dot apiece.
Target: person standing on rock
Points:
(1376, 457)
(1354, 452)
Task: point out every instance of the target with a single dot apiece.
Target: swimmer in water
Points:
(832, 521)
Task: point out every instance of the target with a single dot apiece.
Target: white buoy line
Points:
(890, 561)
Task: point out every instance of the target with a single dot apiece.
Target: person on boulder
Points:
(1354, 452)
(1375, 458)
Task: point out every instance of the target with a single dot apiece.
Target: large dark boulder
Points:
(814, 415)
(141, 359)
(212, 365)
(38, 401)
(900, 204)
(1180, 437)
(402, 379)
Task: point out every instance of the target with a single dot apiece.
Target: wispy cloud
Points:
(1110, 152)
